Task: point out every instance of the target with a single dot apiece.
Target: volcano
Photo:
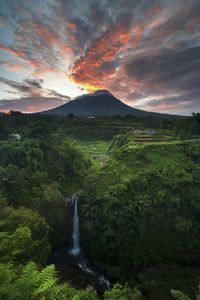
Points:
(100, 103)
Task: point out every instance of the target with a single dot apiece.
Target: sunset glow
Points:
(56, 50)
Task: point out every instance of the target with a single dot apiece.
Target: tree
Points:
(179, 295)
(28, 228)
(33, 284)
(119, 292)
(14, 247)
(71, 116)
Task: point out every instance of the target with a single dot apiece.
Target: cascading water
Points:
(79, 258)
(75, 230)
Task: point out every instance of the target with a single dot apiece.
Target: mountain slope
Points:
(99, 103)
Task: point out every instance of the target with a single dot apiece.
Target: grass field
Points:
(124, 163)
(95, 150)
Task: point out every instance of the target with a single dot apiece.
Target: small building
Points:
(16, 135)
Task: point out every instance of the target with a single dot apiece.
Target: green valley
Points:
(139, 205)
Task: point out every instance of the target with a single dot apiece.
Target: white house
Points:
(16, 135)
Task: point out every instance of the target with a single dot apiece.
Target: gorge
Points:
(75, 258)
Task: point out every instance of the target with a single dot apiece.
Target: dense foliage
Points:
(144, 206)
(36, 173)
(179, 295)
(140, 206)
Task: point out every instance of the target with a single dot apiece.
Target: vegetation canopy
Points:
(139, 205)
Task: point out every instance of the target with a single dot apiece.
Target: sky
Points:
(145, 52)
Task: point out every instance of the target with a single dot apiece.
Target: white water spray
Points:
(83, 264)
(75, 231)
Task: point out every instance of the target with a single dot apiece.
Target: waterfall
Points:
(80, 259)
(75, 230)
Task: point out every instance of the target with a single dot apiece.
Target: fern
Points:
(179, 295)
(30, 271)
(198, 295)
(47, 274)
(48, 287)
(57, 289)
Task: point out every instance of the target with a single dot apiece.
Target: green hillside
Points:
(147, 195)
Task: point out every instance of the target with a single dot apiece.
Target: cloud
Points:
(59, 95)
(39, 67)
(11, 66)
(12, 51)
(2, 20)
(185, 102)
(22, 88)
(29, 87)
(30, 104)
(71, 25)
(32, 88)
(136, 28)
(35, 82)
(102, 58)
(140, 50)
(167, 73)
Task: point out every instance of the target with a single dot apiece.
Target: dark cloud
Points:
(166, 66)
(56, 94)
(188, 102)
(189, 99)
(32, 88)
(20, 87)
(168, 72)
(143, 51)
(35, 82)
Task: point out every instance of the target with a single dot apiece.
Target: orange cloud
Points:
(52, 39)
(40, 70)
(20, 54)
(120, 82)
(88, 71)
(46, 35)
(12, 66)
(71, 25)
(12, 51)
(138, 34)
(40, 67)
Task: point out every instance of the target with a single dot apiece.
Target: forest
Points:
(139, 205)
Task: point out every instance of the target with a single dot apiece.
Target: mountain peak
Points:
(98, 103)
(97, 93)
(101, 93)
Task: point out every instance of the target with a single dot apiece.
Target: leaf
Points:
(179, 295)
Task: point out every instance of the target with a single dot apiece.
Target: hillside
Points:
(99, 103)
(147, 195)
